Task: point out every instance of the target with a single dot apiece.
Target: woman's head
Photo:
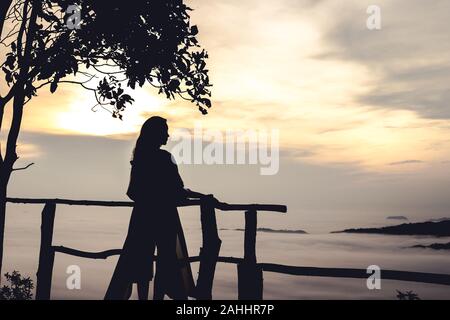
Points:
(154, 133)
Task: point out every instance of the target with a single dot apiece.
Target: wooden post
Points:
(250, 278)
(209, 251)
(47, 254)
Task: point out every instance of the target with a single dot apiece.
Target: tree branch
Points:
(66, 81)
(10, 34)
(22, 30)
(107, 72)
(23, 168)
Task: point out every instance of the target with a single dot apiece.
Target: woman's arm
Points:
(197, 195)
(193, 194)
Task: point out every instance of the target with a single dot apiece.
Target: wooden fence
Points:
(250, 272)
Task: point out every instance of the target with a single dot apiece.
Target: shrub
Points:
(19, 287)
(408, 295)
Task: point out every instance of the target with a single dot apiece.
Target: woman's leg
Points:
(158, 286)
(168, 279)
(143, 287)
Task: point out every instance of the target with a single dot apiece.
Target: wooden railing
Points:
(250, 272)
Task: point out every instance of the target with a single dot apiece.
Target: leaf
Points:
(203, 110)
(54, 86)
(174, 84)
(127, 98)
(10, 60)
(207, 102)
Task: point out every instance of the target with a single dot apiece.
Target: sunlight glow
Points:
(81, 119)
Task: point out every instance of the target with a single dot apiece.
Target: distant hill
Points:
(438, 229)
(435, 246)
(272, 230)
(397, 218)
(440, 219)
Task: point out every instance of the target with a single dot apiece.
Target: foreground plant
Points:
(19, 288)
(408, 295)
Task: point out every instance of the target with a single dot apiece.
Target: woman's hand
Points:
(193, 195)
(210, 198)
(197, 195)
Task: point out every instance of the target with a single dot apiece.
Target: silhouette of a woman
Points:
(156, 188)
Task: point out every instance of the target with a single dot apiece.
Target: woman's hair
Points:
(151, 136)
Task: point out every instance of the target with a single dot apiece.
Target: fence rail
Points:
(221, 205)
(433, 278)
(250, 272)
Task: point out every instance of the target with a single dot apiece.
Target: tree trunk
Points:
(2, 218)
(6, 165)
(4, 7)
(5, 174)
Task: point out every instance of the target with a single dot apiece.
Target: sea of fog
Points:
(97, 229)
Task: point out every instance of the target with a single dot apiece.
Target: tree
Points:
(114, 44)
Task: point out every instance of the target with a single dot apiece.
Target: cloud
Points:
(336, 91)
(407, 58)
(399, 163)
(25, 150)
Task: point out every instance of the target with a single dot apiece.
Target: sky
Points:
(363, 115)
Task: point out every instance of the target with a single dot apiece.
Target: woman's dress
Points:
(156, 188)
